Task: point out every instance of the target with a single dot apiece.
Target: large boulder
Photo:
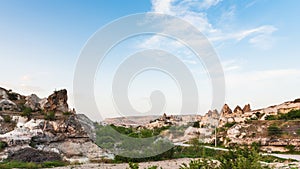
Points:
(33, 101)
(6, 104)
(57, 102)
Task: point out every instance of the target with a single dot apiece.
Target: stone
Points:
(57, 102)
(238, 110)
(247, 108)
(33, 101)
(226, 110)
(7, 104)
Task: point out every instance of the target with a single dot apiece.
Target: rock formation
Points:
(68, 136)
(57, 102)
(238, 110)
(33, 101)
(247, 108)
(226, 110)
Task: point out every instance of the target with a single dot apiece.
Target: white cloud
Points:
(195, 12)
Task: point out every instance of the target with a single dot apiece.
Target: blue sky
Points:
(256, 41)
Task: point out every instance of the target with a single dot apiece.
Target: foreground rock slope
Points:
(30, 124)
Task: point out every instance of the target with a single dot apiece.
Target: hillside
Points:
(38, 126)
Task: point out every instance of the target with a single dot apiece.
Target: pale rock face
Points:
(234, 132)
(7, 104)
(32, 101)
(3, 93)
(64, 136)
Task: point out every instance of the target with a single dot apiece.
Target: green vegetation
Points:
(27, 112)
(196, 124)
(133, 165)
(199, 164)
(50, 116)
(7, 118)
(2, 145)
(292, 115)
(274, 131)
(298, 132)
(16, 164)
(124, 140)
(228, 125)
(12, 96)
(67, 113)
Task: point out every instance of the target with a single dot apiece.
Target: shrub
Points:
(271, 117)
(50, 116)
(291, 148)
(198, 164)
(27, 112)
(2, 145)
(228, 125)
(196, 124)
(133, 165)
(67, 113)
(292, 115)
(274, 131)
(7, 118)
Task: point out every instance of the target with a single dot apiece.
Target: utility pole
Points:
(215, 136)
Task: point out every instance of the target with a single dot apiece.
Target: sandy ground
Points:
(167, 164)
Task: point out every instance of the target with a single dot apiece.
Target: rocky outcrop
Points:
(57, 102)
(226, 110)
(33, 101)
(6, 104)
(238, 110)
(247, 108)
(33, 155)
(66, 137)
(3, 93)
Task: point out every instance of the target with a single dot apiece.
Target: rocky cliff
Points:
(46, 125)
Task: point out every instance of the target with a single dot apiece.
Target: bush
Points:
(133, 165)
(196, 124)
(2, 145)
(292, 115)
(27, 112)
(240, 159)
(199, 164)
(50, 116)
(228, 125)
(274, 131)
(67, 113)
(7, 118)
(271, 117)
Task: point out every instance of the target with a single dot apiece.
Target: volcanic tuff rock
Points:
(226, 110)
(69, 135)
(247, 108)
(238, 110)
(33, 101)
(57, 102)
